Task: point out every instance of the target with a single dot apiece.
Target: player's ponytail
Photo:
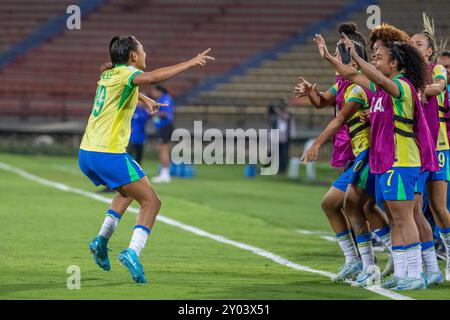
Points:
(410, 63)
(350, 29)
(120, 48)
(429, 33)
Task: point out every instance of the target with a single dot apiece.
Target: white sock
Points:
(140, 235)
(165, 172)
(385, 236)
(400, 261)
(445, 235)
(109, 224)
(414, 258)
(365, 248)
(348, 247)
(429, 257)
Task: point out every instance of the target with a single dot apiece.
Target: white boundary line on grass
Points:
(261, 252)
(322, 235)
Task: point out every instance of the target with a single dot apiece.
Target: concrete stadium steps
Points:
(18, 19)
(171, 31)
(276, 78)
(247, 116)
(63, 72)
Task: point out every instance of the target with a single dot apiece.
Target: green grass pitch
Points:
(45, 230)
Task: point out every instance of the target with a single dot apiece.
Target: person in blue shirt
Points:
(138, 135)
(163, 123)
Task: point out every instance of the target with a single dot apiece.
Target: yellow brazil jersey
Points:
(359, 132)
(406, 149)
(109, 126)
(439, 72)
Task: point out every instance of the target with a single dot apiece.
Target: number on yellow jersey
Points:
(99, 100)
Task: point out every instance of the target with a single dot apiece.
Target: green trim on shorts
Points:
(447, 175)
(401, 194)
(132, 171)
(362, 183)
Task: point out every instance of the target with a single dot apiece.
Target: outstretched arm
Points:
(166, 73)
(316, 97)
(379, 79)
(345, 70)
(331, 130)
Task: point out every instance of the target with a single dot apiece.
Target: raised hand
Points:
(302, 88)
(202, 58)
(320, 41)
(349, 45)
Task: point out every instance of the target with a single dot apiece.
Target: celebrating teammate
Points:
(102, 156)
(401, 145)
(355, 185)
(436, 109)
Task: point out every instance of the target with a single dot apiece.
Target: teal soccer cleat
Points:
(99, 249)
(410, 283)
(348, 271)
(367, 277)
(390, 282)
(434, 278)
(130, 260)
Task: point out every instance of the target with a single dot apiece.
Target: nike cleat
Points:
(390, 282)
(130, 260)
(348, 271)
(434, 278)
(367, 277)
(410, 283)
(99, 249)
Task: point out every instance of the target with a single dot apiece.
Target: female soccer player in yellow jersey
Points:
(379, 37)
(436, 108)
(354, 187)
(401, 145)
(102, 156)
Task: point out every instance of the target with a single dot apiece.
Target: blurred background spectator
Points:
(281, 119)
(163, 123)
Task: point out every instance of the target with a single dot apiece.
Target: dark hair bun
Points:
(348, 28)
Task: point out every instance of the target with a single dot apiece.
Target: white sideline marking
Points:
(322, 235)
(261, 252)
(311, 232)
(328, 238)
